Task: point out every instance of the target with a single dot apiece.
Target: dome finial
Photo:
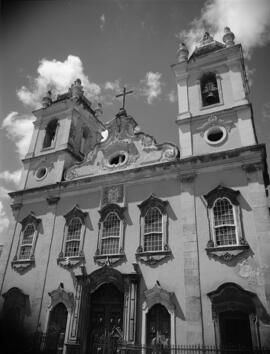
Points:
(228, 37)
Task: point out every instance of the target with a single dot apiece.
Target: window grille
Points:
(73, 238)
(153, 230)
(224, 223)
(110, 234)
(27, 242)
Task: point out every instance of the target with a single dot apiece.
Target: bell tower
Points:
(214, 109)
(65, 130)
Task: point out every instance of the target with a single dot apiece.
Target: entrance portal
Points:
(106, 319)
(158, 326)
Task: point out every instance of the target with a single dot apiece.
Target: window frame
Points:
(19, 263)
(153, 256)
(163, 227)
(229, 253)
(111, 258)
(73, 260)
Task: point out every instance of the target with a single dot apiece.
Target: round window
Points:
(215, 135)
(41, 173)
(117, 159)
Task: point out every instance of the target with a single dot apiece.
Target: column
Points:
(193, 313)
(130, 310)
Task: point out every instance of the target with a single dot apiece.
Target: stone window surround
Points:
(111, 259)
(220, 92)
(68, 262)
(22, 264)
(226, 253)
(153, 257)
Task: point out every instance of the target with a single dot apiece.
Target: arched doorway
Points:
(106, 318)
(158, 326)
(56, 329)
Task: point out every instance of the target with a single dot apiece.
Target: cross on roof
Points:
(125, 92)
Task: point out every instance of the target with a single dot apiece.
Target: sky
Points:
(109, 44)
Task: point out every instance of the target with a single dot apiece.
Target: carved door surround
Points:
(154, 296)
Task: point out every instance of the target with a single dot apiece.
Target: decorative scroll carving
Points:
(110, 260)
(215, 121)
(152, 258)
(229, 255)
(21, 265)
(70, 262)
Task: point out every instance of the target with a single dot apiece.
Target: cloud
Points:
(57, 76)
(113, 86)
(4, 192)
(248, 19)
(19, 129)
(13, 177)
(4, 221)
(151, 86)
(102, 22)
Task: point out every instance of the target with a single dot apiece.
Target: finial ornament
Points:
(206, 38)
(76, 90)
(228, 37)
(182, 53)
(47, 100)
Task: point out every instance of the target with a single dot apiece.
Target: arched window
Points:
(73, 237)
(72, 246)
(27, 242)
(110, 239)
(209, 89)
(50, 133)
(83, 144)
(224, 222)
(153, 230)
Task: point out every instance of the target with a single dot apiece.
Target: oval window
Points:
(117, 160)
(41, 173)
(215, 135)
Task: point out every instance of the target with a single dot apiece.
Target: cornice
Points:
(193, 164)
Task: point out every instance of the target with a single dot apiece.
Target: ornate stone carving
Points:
(153, 201)
(22, 265)
(153, 258)
(61, 295)
(76, 91)
(109, 260)
(228, 37)
(47, 100)
(76, 212)
(182, 53)
(229, 255)
(215, 121)
(103, 275)
(70, 262)
(220, 192)
(158, 295)
(113, 194)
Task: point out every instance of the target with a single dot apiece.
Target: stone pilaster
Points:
(193, 313)
(130, 310)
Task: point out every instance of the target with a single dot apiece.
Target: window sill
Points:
(21, 265)
(202, 108)
(153, 257)
(70, 262)
(228, 254)
(109, 259)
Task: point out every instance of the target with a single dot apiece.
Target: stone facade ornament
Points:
(47, 100)
(182, 53)
(206, 39)
(214, 120)
(113, 194)
(228, 37)
(76, 90)
(61, 295)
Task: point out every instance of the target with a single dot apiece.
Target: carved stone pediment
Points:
(220, 192)
(61, 295)
(109, 260)
(125, 147)
(158, 295)
(153, 201)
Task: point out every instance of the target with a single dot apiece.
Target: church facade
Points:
(116, 235)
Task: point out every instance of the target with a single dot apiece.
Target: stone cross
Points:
(125, 92)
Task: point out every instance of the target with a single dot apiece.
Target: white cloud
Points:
(248, 19)
(4, 192)
(113, 86)
(19, 129)
(102, 21)
(4, 221)
(13, 177)
(56, 76)
(172, 96)
(151, 86)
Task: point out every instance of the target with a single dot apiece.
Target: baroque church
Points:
(118, 238)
